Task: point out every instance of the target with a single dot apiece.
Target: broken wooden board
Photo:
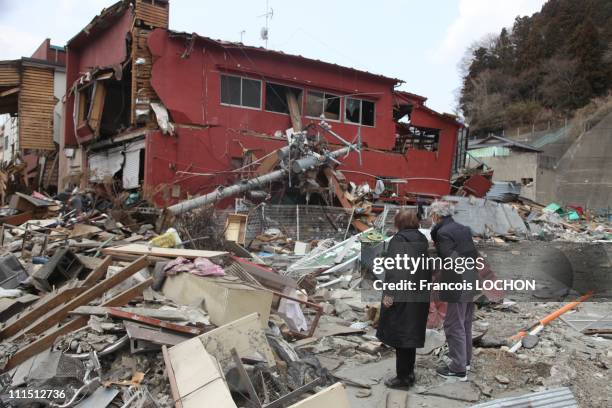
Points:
(245, 335)
(84, 230)
(196, 377)
(333, 396)
(57, 315)
(38, 309)
(9, 307)
(333, 181)
(139, 249)
(49, 337)
(266, 276)
(116, 312)
(89, 261)
(162, 314)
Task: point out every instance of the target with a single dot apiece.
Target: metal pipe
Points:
(250, 184)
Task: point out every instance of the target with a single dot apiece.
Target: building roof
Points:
(108, 15)
(100, 22)
(500, 141)
(300, 58)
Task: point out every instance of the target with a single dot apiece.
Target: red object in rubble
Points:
(477, 185)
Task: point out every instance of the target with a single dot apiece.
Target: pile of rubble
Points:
(98, 309)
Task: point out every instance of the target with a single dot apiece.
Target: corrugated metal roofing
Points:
(504, 191)
(493, 151)
(499, 141)
(486, 218)
(555, 398)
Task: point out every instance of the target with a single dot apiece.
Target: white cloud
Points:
(477, 18)
(15, 43)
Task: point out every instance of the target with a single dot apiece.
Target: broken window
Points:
(359, 111)
(322, 104)
(417, 138)
(276, 97)
(84, 103)
(240, 91)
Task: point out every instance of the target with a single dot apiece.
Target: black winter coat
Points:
(454, 240)
(403, 324)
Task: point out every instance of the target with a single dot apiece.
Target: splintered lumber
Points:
(333, 180)
(98, 273)
(48, 339)
(40, 308)
(90, 294)
(121, 314)
(139, 249)
(307, 162)
(51, 301)
(294, 112)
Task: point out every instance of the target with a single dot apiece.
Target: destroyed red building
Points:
(180, 112)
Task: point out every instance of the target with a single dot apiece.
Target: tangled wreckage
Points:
(216, 206)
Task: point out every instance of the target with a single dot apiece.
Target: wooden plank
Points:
(331, 177)
(98, 273)
(40, 308)
(47, 340)
(152, 15)
(121, 314)
(9, 75)
(92, 293)
(35, 99)
(139, 249)
(294, 112)
(10, 91)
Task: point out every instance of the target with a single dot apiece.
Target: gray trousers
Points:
(458, 331)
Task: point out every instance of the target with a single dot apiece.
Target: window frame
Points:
(345, 120)
(340, 99)
(241, 78)
(288, 86)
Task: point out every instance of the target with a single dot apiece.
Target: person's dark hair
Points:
(406, 219)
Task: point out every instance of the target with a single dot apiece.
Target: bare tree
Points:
(487, 41)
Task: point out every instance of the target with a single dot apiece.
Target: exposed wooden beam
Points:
(92, 293)
(48, 339)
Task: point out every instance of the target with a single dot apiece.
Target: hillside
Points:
(541, 69)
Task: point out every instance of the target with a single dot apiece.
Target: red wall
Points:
(108, 47)
(45, 52)
(189, 87)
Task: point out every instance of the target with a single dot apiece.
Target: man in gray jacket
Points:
(454, 241)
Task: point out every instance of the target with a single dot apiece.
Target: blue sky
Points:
(418, 41)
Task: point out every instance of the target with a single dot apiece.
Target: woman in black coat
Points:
(403, 314)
